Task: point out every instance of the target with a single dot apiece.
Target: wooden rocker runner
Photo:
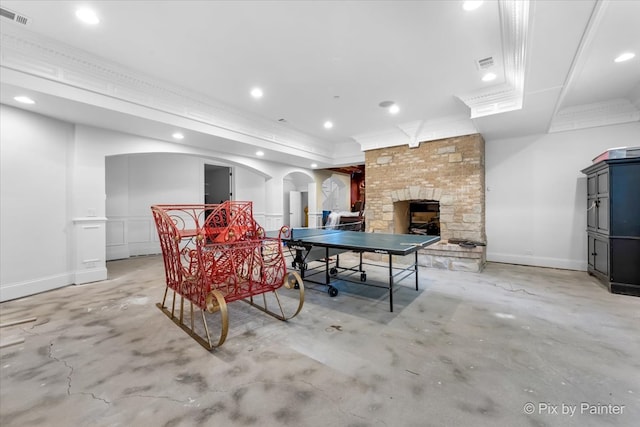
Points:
(215, 254)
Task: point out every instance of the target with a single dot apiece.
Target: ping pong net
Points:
(346, 226)
(288, 233)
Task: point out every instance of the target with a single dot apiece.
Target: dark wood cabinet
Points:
(613, 224)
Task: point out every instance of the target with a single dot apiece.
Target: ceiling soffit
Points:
(495, 99)
(514, 20)
(604, 113)
(35, 55)
(26, 52)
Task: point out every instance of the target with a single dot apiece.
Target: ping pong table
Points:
(315, 244)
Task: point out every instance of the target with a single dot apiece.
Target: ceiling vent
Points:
(485, 63)
(21, 19)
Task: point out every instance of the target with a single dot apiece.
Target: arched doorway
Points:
(298, 198)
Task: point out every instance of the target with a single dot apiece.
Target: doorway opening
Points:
(298, 200)
(217, 183)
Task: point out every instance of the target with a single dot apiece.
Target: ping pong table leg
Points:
(415, 266)
(390, 283)
(299, 261)
(327, 279)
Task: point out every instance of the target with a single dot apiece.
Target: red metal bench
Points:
(215, 254)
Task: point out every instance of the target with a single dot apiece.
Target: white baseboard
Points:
(91, 275)
(32, 287)
(566, 264)
(117, 252)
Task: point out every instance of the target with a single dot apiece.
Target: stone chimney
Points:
(449, 171)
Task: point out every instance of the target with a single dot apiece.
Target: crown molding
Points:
(611, 112)
(389, 137)
(509, 96)
(607, 113)
(413, 133)
(597, 15)
(24, 51)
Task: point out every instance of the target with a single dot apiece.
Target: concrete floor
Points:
(466, 350)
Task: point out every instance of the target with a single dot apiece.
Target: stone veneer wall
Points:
(450, 171)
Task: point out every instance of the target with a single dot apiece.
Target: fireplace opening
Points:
(417, 217)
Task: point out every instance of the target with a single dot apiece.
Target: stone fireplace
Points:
(447, 171)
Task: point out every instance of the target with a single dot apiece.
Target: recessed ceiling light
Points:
(24, 100)
(625, 57)
(390, 106)
(488, 77)
(314, 165)
(260, 153)
(471, 4)
(87, 16)
(328, 124)
(178, 135)
(256, 92)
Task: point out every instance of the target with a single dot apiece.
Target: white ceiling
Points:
(326, 60)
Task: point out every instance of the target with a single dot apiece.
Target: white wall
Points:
(34, 221)
(53, 190)
(134, 183)
(137, 181)
(536, 195)
(250, 186)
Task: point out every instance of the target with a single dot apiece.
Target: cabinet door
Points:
(601, 256)
(625, 200)
(603, 182)
(625, 261)
(592, 185)
(602, 214)
(591, 252)
(602, 201)
(592, 209)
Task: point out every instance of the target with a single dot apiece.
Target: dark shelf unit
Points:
(613, 224)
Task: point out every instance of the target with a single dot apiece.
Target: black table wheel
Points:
(363, 277)
(333, 291)
(333, 271)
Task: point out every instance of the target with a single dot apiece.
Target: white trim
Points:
(32, 287)
(580, 58)
(567, 264)
(413, 133)
(606, 113)
(26, 52)
(91, 275)
(514, 19)
(89, 219)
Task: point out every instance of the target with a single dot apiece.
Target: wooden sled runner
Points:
(215, 254)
